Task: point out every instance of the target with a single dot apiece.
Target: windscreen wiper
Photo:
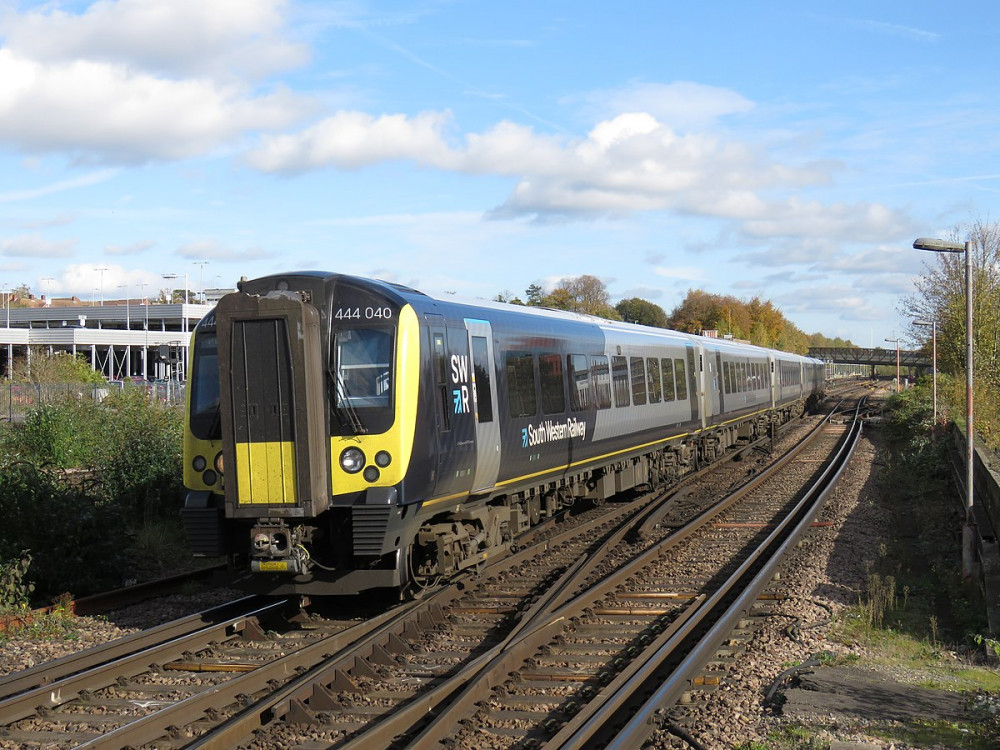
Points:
(340, 389)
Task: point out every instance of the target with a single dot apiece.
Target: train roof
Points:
(619, 328)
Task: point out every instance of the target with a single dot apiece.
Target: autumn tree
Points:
(757, 321)
(698, 312)
(584, 294)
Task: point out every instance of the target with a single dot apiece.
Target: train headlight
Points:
(218, 463)
(199, 463)
(382, 459)
(371, 474)
(352, 460)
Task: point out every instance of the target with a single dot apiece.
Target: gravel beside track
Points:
(23, 649)
(824, 576)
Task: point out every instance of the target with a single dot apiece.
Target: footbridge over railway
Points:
(913, 362)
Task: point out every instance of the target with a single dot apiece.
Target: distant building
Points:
(122, 338)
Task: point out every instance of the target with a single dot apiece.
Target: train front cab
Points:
(318, 422)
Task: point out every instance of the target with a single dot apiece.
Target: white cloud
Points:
(626, 164)
(89, 282)
(212, 250)
(119, 114)
(127, 81)
(35, 246)
(181, 37)
(682, 105)
(350, 140)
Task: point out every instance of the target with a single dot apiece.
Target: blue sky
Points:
(790, 150)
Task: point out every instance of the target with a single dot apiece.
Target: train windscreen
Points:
(362, 385)
(205, 418)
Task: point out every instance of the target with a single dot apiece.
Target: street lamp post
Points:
(145, 348)
(184, 322)
(102, 270)
(896, 342)
(933, 326)
(201, 275)
(184, 327)
(128, 321)
(969, 530)
(48, 299)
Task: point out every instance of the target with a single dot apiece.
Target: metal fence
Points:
(16, 399)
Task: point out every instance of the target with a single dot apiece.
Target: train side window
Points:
(727, 377)
(481, 368)
(680, 378)
(600, 376)
(553, 390)
(638, 369)
(579, 382)
(441, 380)
(653, 369)
(619, 378)
(667, 366)
(521, 384)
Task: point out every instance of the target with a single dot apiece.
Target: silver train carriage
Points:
(345, 434)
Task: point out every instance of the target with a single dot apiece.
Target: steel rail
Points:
(52, 671)
(153, 727)
(319, 664)
(311, 684)
(149, 729)
(101, 675)
(611, 709)
(474, 682)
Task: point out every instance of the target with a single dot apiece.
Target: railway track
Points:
(561, 614)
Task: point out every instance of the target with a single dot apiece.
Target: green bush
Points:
(79, 480)
(76, 543)
(137, 462)
(15, 590)
(61, 434)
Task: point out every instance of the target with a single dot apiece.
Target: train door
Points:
(772, 380)
(456, 442)
(718, 392)
(484, 392)
(693, 379)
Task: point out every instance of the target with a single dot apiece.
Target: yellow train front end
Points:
(300, 431)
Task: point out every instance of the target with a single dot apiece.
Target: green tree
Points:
(535, 295)
(643, 312)
(40, 367)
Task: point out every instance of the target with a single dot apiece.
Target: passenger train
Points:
(344, 434)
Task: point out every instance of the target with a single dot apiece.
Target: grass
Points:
(57, 624)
